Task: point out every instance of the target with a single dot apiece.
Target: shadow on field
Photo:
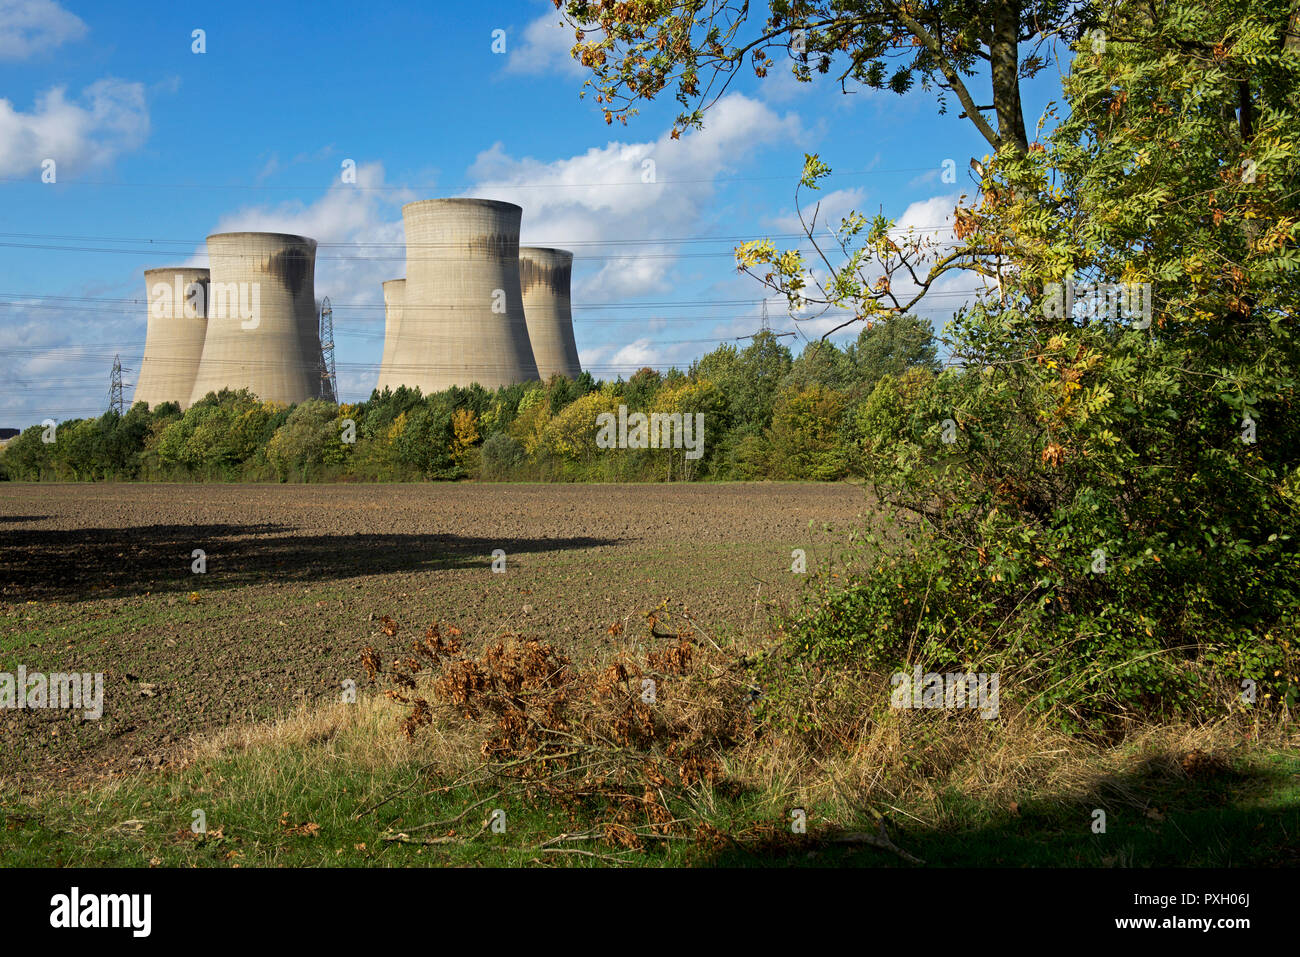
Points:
(23, 518)
(1206, 815)
(40, 564)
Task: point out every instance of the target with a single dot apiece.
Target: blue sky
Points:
(157, 146)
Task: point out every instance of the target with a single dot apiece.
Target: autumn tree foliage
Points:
(636, 51)
(1102, 501)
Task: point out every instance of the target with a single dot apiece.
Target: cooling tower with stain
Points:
(394, 297)
(178, 320)
(544, 276)
(463, 315)
(262, 325)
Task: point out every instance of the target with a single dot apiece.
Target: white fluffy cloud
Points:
(109, 118)
(28, 27)
(612, 360)
(47, 371)
(934, 216)
(932, 221)
(545, 48)
(660, 189)
(345, 213)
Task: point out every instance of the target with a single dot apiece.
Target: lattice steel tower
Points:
(115, 386)
(329, 381)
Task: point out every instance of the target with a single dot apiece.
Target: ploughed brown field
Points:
(97, 578)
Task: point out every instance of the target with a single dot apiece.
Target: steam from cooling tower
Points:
(178, 319)
(544, 277)
(262, 332)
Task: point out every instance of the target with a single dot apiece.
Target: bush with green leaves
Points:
(27, 458)
(1104, 505)
(223, 435)
(425, 441)
(298, 447)
(892, 346)
(501, 456)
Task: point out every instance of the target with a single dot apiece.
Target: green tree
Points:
(529, 423)
(298, 447)
(501, 455)
(891, 347)
(381, 411)
(640, 391)
(571, 434)
(759, 371)
(820, 363)
(426, 440)
(1116, 479)
(705, 402)
(27, 457)
(807, 434)
(220, 434)
(77, 447)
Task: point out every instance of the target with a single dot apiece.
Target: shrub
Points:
(501, 455)
(298, 447)
(425, 441)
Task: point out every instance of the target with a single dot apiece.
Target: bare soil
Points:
(98, 578)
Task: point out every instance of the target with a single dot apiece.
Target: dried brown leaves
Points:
(624, 739)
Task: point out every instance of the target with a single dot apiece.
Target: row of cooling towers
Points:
(474, 307)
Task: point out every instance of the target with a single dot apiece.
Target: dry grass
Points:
(665, 767)
(906, 761)
(363, 734)
(574, 738)
(894, 759)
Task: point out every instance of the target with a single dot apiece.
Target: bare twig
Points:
(880, 840)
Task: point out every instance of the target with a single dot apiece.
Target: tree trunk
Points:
(1004, 55)
(1245, 112)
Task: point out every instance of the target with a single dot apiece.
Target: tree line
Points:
(768, 414)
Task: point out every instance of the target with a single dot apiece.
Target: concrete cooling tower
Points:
(463, 315)
(544, 276)
(394, 297)
(178, 320)
(311, 348)
(262, 330)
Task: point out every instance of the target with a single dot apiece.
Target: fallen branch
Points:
(880, 840)
(453, 820)
(404, 838)
(575, 850)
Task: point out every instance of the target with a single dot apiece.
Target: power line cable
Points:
(449, 192)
